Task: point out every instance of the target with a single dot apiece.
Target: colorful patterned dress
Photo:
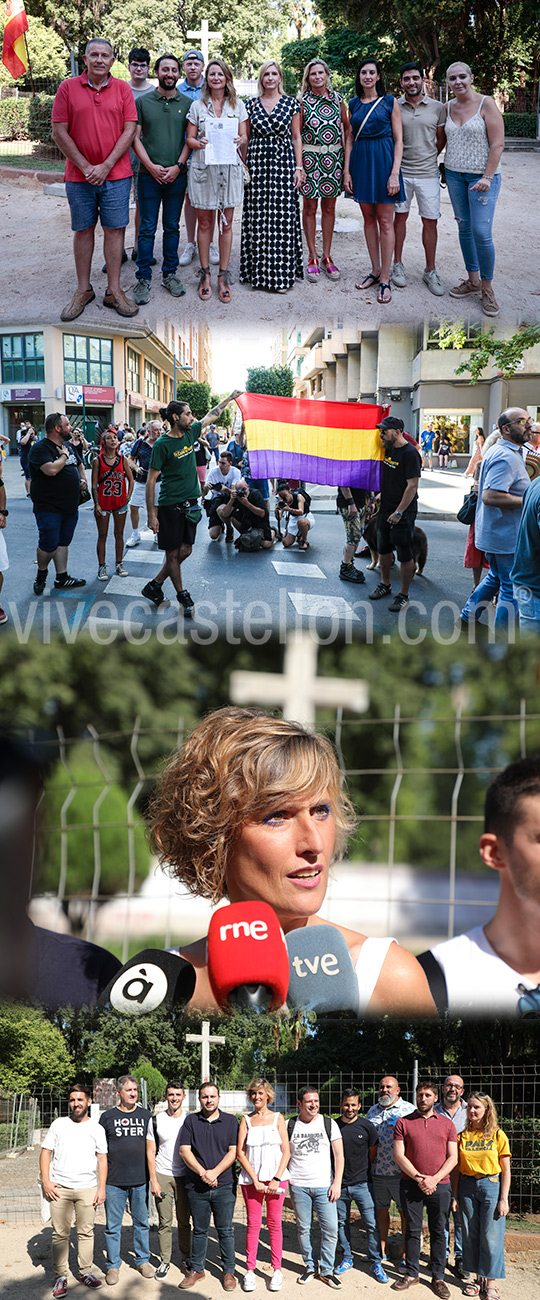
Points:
(271, 248)
(322, 141)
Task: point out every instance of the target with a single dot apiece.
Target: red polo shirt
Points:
(95, 120)
(426, 1141)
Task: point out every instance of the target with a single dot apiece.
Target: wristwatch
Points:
(5, 513)
(398, 514)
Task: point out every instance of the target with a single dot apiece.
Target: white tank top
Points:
(467, 146)
(263, 1150)
(369, 964)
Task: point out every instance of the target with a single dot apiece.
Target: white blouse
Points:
(263, 1150)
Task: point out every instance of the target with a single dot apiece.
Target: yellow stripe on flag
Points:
(329, 444)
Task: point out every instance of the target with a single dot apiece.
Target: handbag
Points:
(85, 495)
(467, 511)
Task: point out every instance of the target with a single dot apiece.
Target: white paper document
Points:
(221, 148)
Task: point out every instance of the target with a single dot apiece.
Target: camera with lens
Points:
(240, 492)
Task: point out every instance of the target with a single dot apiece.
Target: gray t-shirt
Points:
(420, 122)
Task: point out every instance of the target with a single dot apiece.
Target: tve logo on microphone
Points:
(247, 957)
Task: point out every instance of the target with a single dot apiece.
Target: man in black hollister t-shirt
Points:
(402, 467)
(128, 1127)
(360, 1140)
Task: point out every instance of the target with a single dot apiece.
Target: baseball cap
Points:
(390, 422)
(193, 54)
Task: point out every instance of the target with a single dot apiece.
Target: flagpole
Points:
(29, 66)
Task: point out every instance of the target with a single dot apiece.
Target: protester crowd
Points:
(448, 1156)
(194, 143)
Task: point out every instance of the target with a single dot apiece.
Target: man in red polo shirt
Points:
(94, 122)
(425, 1148)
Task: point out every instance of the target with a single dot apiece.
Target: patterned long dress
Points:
(322, 146)
(271, 248)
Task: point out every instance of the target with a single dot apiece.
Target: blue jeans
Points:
(497, 579)
(474, 214)
(458, 1243)
(483, 1230)
(115, 1204)
(219, 1202)
(305, 1200)
(363, 1195)
(528, 610)
(151, 197)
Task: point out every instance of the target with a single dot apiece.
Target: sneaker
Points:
(433, 283)
(344, 1267)
(103, 573)
(134, 540)
(187, 255)
(276, 1280)
(60, 1286)
(382, 590)
(119, 303)
(40, 582)
(142, 292)
(88, 1279)
(463, 289)
(68, 583)
(173, 285)
(377, 1271)
(250, 1281)
(120, 571)
(79, 301)
(153, 592)
(213, 255)
(490, 306)
(348, 573)
(364, 554)
(398, 602)
(146, 1269)
(3, 616)
(397, 275)
(331, 1280)
(460, 1271)
(162, 1271)
(306, 1276)
(184, 599)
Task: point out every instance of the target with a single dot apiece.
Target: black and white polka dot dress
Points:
(271, 249)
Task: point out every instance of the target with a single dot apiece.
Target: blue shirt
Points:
(194, 92)
(526, 568)
(501, 470)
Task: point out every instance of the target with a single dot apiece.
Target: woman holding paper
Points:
(216, 129)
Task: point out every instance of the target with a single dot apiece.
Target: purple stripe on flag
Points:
(316, 469)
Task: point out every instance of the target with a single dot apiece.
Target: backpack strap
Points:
(436, 980)
(156, 1134)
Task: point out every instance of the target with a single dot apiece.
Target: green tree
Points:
(33, 1053)
(277, 381)
(197, 394)
(504, 354)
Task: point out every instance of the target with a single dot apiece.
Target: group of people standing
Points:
(443, 1155)
(198, 137)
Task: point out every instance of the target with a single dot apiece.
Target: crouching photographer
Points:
(244, 509)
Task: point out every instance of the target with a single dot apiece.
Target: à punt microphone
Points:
(322, 973)
(151, 979)
(247, 957)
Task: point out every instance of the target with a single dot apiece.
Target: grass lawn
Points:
(30, 154)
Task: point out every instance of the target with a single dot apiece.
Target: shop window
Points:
(88, 361)
(22, 359)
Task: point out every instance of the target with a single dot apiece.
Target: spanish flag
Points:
(14, 56)
(335, 443)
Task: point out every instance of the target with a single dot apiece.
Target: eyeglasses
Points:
(141, 66)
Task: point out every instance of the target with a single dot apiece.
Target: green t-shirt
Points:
(175, 458)
(163, 123)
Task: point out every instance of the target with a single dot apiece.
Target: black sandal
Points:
(205, 290)
(384, 302)
(369, 281)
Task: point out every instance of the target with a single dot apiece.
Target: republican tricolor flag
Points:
(14, 56)
(333, 443)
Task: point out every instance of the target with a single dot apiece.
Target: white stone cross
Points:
(205, 1038)
(206, 37)
(298, 689)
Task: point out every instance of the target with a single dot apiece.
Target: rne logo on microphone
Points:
(249, 929)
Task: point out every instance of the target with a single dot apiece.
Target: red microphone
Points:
(248, 963)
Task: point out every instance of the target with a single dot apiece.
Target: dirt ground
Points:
(37, 275)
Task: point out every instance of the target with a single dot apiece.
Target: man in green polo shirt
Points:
(159, 145)
(178, 512)
(423, 139)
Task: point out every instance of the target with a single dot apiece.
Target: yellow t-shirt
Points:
(480, 1156)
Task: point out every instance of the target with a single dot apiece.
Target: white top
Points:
(478, 981)
(219, 480)
(310, 1164)
(168, 1158)
(370, 962)
(263, 1150)
(467, 146)
(76, 1148)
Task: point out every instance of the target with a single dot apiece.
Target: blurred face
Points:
(284, 857)
(458, 79)
(388, 1091)
(475, 1112)
(425, 1100)
(350, 1108)
(168, 73)
(309, 1107)
(209, 1100)
(215, 77)
(271, 78)
(174, 1098)
(317, 78)
(98, 61)
(413, 84)
(368, 76)
(128, 1094)
(258, 1098)
(79, 1106)
(138, 71)
(452, 1089)
(193, 69)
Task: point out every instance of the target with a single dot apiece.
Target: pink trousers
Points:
(274, 1211)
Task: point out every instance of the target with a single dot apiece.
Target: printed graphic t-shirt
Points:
(175, 457)
(127, 1132)
(310, 1164)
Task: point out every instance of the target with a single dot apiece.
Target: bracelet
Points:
(487, 178)
(5, 513)
(299, 169)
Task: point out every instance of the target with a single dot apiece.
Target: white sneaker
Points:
(187, 255)
(102, 573)
(397, 275)
(134, 540)
(120, 571)
(213, 255)
(250, 1281)
(433, 282)
(276, 1281)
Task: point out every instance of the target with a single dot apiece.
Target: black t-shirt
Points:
(200, 453)
(126, 1140)
(399, 465)
(359, 496)
(245, 517)
(67, 971)
(358, 1137)
(209, 1141)
(61, 492)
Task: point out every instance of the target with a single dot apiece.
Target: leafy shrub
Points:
(520, 124)
(39, 121)
(14, 119)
